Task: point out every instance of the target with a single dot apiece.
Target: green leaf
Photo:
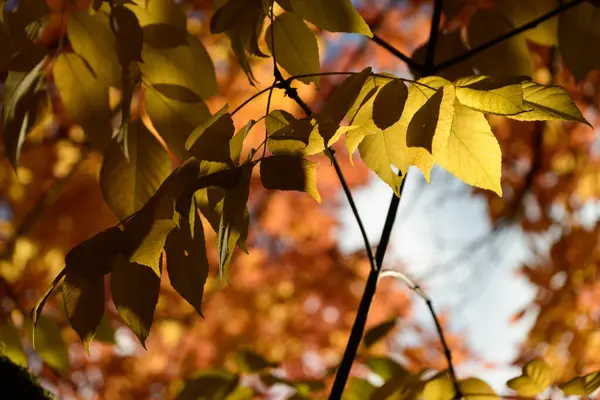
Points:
(431, 125)
(250, 362)
(209, 385)
(385, 367)
(236, 144)
(11, 345)
(128, 184)
(210, 141)
(400, 387)
(85, 98)
(92, 39)
(135, 290)
(537, 376)
(378, 332)
(472, 152)
(84, 302)
(50, 345)
(331, 15)
(578, 33)
(290, 173)
(187, 263)
(241, 393)
(39, 306)
(494, 95)
(129, 35)
(487, 25)
(174, 119)
(548, 103)
(358, 389)
(296, 48)
(389, 103)
(187, 65)
(338, 104)
(582, 385)
(19, 108)
(234, 223)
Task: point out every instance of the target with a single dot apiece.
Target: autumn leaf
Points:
(582, 385)
(389, 103)
(210, 141)
(378, 332)
(289, 173)
(494, 95)
(537, 376)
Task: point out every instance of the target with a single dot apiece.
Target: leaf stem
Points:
(530, 25)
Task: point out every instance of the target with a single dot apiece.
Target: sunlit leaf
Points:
(174, 119)
(187, 65)
(135, 289)
(128, 184)
(472, 152)
(289, 173)
(548, 103)
(11, 345)
(236, 144)
(582, 385)
(210, 141)
(494, 95)
(389, 103)
(385, 367)
(358, 389)
(296, 48)
(537, 376)
(291, 136)
(332, 15)
(578, 33)
(378, 332)
(520, 13)
(158, 12)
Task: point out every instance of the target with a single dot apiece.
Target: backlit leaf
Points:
(378, 156)
(187, 263)
(385, 367)
(331, 15)
(378, 332)
(339, 102)
(128, 184)
(158, 12)
(439, 389)
(288, 135)
(135, 289)
(389, 103)
(187, 65)
(520, 13)
(210, 141)
(236, 144)
(537, 376)
(289, 173)
(548, 103)
(128, 34)
(494, 95)
(488, 25)
(582, 385)
(578, 32)
(296, 48)
(472, 152)
(85, 98)
(358, 389)
(174, 119)
(84, 302)
(11, 345)
(433, 121)
(449, 45)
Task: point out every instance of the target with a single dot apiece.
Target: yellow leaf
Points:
(289, 173)
(431, 124)
(93, 40)
(128, 184)
(548, 103)
(476, 389)
(11, 345)
(376, 153)
(236, 144)
(84, 302)
(488, 25)
(582, 385)
(135, 290)
(537, 376)
(472, 152)
(388, 104)
(439, 389)
(471, 388)
(85, 98)
(339, 103)
(331, 15)
(174, 120)
(158, 12)
(578, 33)
(187, 66)
(296, 48)
(291, 136)
(210, 141)
(495, 95)
(187, 263)
(520, 13)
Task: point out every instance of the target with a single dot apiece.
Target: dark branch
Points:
(433, 38)
(517, 31)
(397, 53)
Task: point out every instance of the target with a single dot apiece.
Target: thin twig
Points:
(465, 56)
(409, 61)
(433, 38)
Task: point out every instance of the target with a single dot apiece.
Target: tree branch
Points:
(465, 56)
(397, 53)
(433, 38)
